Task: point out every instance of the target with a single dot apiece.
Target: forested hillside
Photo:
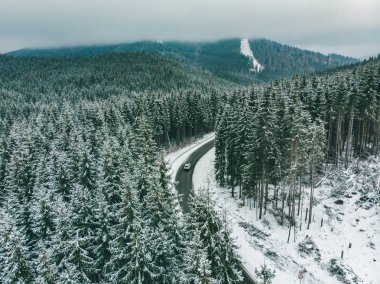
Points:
(284, 61)
(85, 195)
(179, 101)
(222, 58)
(100, 76)
(273, 140)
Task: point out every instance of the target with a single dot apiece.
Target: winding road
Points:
(184, 185)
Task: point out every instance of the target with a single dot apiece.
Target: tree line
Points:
(85, 195)
(86, 198)
(271, 141)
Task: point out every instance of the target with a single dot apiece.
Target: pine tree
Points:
(16, 264)
(44, 214)
(19, 185)
(158, 213)
(86, 170)
(265, 274)
(4, 160)
(103, 236)
(47, 272)
(266, 149)
(220, 147)
(63, 177)
(144, 150)
(230, 258)
(214, 239)
(130, 261)
(79, 246)
(110, 172)
(79, 258)
(316, 155)
(70, 275)
(198, 266)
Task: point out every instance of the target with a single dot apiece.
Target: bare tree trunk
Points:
(303, 197)
(377, 140)
(329, 136)
(294, 227)
(232, 180)
(349, 139)
(266, 197)
(262, 192)
(294, 209)
(299, 197)
(290, 222)
(290, 229)
(311, 194)
(240, 189)
(282, 208)
(290, 195)
(292, 205)
(361, 138)
(337, 139)
(275, 196)
(261, 198)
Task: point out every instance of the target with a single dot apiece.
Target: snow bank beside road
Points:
(177, 158)
(266, 241)
(203, 176)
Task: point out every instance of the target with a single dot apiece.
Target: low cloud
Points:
(349, 27)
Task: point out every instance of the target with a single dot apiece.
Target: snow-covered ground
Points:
(246, 50)
(265, 240)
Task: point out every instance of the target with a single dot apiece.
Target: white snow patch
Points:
(349, 223)
(246, 50)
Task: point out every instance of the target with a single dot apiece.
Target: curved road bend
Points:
(184, 184)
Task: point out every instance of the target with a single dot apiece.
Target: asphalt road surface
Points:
(184, 185)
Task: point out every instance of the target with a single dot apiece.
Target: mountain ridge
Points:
(223, 58)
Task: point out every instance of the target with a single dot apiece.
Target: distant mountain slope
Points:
(223, 58)
(285, 61)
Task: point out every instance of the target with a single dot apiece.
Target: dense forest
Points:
(85, 195)
(221, 58)
(272, 141)
(79, 78)
(179, 101)
(284, 61)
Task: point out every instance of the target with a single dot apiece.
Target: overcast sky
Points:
(349, 27)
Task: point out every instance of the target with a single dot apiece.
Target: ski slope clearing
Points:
(345, 199)
(245, 49)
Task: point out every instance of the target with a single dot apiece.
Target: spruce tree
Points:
(17, 265)
(213, 239)
(131, 261)
(197, 265)
(265, 274)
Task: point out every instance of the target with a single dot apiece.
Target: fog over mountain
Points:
(347, 27)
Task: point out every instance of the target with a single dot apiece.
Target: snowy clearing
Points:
(246, 50)
(347, 219)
